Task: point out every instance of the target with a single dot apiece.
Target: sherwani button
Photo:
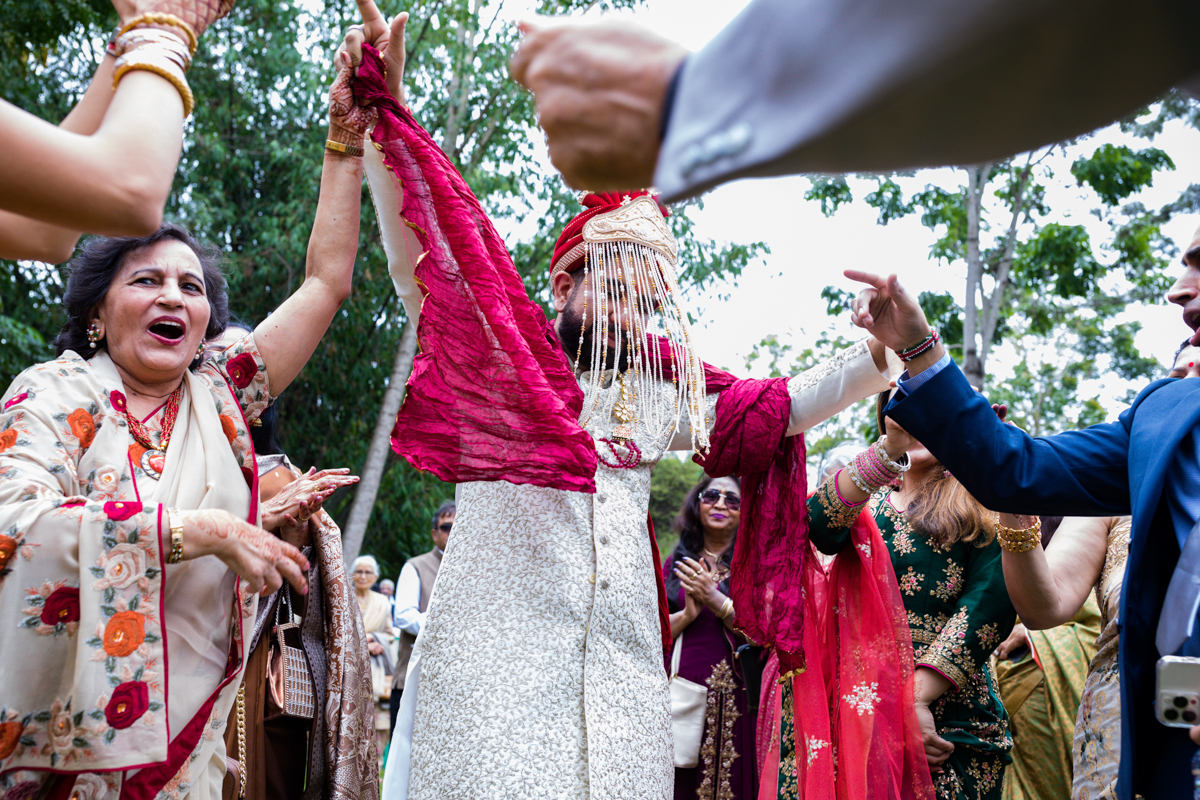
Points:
(604, 584)
(603, 540)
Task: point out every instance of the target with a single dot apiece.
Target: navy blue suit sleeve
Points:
(1077, 473)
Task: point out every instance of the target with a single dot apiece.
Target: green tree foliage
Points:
(1041, 285)
(669, 484)
(248, 182)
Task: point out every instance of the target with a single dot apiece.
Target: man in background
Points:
(412, 597)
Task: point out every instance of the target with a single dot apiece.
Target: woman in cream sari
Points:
(130, 553)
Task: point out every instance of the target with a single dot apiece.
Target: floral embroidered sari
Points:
(128, 666)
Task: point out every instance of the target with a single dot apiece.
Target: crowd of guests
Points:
(393, 612)
(144, 499)
(1016, 686)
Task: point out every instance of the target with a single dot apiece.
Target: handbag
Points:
(289, 682)
(688, 702)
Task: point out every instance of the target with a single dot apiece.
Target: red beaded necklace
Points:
(154, 458)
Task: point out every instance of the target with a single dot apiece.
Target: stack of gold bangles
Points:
(1019, 541)
(159, 43)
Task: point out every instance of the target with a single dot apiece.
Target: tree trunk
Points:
(972, 363)
(377, 453)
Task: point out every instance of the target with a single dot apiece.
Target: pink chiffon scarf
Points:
(855, 726)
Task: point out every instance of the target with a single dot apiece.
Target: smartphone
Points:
(1177, 701)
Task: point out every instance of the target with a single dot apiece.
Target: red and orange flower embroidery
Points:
(83, 426)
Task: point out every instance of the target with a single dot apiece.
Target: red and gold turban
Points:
(614, 216)
(629, 259)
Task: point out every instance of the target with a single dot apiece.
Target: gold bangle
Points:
(345, 149)
(155, 18)
(176, 554)
(178, 81)
(1019, 541)
(726, 608)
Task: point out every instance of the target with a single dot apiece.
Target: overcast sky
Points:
(781, 294)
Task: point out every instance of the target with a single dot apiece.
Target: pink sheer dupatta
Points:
(854, 724)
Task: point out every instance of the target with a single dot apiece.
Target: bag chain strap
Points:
(241, 723)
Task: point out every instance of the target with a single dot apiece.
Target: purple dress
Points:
(728, 766)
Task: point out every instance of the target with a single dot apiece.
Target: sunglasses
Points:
(445, 527)
(733, 500)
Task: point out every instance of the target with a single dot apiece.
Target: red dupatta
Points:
(491, 396)
(854, 726)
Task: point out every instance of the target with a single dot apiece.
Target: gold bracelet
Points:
(1019, 541)
(345, 149)
(155, 18)
(726, 608)
(131, 61)
(176, 554)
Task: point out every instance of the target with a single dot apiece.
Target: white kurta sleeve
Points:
(401, 245)
(833, 385)
(408, 601)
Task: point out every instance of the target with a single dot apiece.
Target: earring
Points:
(93, 334)
(200, 351)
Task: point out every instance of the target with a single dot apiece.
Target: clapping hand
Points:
(303, 497)
(261, 560)
(697, 581)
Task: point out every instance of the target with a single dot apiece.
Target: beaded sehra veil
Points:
(634, 310)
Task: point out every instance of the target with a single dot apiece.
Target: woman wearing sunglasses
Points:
(702, 618)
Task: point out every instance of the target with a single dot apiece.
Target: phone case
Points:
(1177, 701)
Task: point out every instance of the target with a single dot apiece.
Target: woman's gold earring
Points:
(200, 351)
(93, 334)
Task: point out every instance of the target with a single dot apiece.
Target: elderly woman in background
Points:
(702, 620)
(377, 622)
(132, 558)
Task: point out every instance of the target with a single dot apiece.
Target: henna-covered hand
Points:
(386, 37)
(348, 121)
(258, 557)
(303, 497)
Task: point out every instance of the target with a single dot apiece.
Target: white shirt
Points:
(407, 615)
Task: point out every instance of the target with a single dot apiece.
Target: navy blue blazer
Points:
(1110, 469)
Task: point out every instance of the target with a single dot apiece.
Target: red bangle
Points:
(926, 343)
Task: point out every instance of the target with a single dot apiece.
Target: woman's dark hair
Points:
(941, 507)
(691, 534)
(100, 258)
(262, 434)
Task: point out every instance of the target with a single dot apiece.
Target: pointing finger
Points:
(869, 278)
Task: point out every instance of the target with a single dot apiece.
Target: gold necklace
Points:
(625, 411)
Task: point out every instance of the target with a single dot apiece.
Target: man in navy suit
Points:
(1147, 463)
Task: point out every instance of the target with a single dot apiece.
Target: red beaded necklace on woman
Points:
(155, 458)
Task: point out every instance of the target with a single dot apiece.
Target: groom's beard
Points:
(572, 330)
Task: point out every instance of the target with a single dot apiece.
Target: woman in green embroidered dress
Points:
(943, 549)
